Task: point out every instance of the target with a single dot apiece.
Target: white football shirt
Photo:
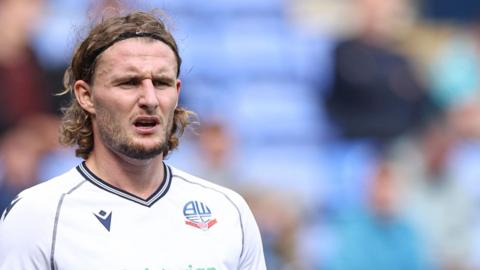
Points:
(79, 221)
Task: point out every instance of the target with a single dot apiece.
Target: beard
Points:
(117, 139)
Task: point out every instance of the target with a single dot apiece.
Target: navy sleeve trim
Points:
(10, 207)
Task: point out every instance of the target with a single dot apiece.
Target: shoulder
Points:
(26, 226)
(44, 196)
(228, 199)
(34, 208)
(251, 256)
(197, 184)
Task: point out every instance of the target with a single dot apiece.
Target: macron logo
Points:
(104, 218)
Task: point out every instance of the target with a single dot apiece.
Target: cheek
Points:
(109, 114)
(116, 106)
(168, 103)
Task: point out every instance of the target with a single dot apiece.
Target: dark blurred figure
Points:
(375, 93)
(377, 236)
(28, 125)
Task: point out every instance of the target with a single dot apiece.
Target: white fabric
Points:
(77, 221)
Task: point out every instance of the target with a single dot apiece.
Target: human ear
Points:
(178, 86)
(84, 97)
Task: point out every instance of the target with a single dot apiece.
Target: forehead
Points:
(137, 54)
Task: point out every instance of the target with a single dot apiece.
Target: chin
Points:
(141, 152)
(148, 144)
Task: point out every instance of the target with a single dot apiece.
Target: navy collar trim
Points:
(97, 181)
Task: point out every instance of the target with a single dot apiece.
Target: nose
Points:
(148, 97)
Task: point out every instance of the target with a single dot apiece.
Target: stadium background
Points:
(393, 184)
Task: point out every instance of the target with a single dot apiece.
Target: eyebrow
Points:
(136, 76)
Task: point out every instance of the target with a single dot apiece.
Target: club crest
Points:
(198, 215)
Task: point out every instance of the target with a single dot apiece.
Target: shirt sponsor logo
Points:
(198, 215)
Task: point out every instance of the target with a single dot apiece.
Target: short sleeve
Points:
(24, 236)
(252, 257)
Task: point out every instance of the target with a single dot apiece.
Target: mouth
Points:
(146, 123)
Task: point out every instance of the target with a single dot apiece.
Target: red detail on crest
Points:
(202, 225)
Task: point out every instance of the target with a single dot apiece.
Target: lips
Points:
(146, 124)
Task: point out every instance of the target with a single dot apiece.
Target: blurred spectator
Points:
(279, 219)
(377, 236)
(216, 146)
(454, 79)
(23, 86)
(454, 70)
(277, 214)
(28, 127)
(375, 93)
(452, 66)
(438, 206)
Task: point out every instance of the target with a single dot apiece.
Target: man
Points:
(123, 208)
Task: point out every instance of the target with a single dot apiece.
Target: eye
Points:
(129, 83)
(160, 83)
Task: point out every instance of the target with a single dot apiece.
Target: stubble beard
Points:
(116, 139)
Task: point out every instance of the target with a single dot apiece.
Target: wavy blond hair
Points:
(76, 125)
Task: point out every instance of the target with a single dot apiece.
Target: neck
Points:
(139, 177)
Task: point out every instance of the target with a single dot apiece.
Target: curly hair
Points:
(76, 125)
